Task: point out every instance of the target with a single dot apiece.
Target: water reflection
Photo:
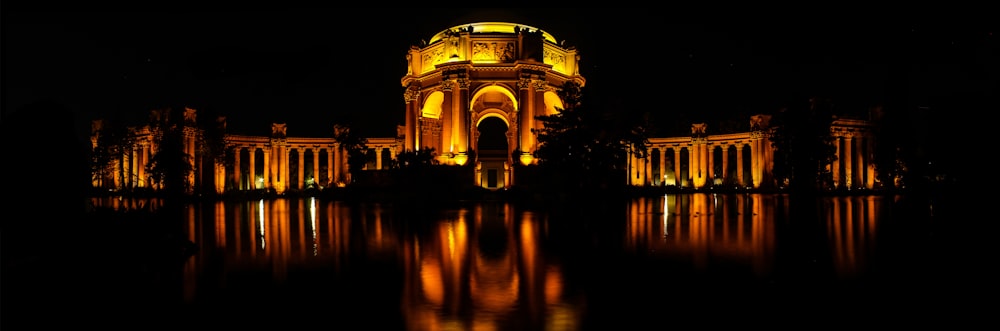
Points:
(707, 227)
(487, 265)
(482, 268)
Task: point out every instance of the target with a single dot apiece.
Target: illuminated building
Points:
(501, 74)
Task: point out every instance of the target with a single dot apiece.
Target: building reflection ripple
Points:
(488, 265)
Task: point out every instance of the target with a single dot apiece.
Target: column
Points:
(266, 152)
(711, 165)
(449, 118)
(302, 168)
(739, 165)
(647, 170)
(143, 159)
(284, 166)
(755, 161)
(725, 163)
(527, 118)
(412, 107)
(315, 159)
(663, 166)
(252, 171)
(869, 165)
(337, 168)
(463, 116)
(835, 165)
(329, 166)
(677, 166)
(378, 157)
(237, 152)
(848, 162)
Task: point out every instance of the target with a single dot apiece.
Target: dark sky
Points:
(314, 67)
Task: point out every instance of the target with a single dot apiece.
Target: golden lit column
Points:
(315, 159)
(449, 113)
(130, 167)
(702, 162)
(463, 116)
(757, 158)
(268, 171)
(283, 167)
(739, 164)
(648, 170)
(769, 156)
(677, 166)
(219, 174)
(237, 151)
(849, 162)
(302, 167)
(378, 157)
(143, 159)
(336, 165)
(869, 165)
(710, 165)
(725, 163)
(694, 167)
(271, 179)
(411, 97)
(329, 166)
(253, 168)
(663, 165)
(526, 116)
(189, 149)
(835, 165)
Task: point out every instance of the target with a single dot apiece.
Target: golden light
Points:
(527, 159)
(461, 159)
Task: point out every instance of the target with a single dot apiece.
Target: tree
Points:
(170, 166)
(418, 159)
(355, 146)
(588, 147)
(112, 141)
(804, 148)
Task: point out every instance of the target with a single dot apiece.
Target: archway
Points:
(492, 151)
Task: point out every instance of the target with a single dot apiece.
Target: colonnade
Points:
(251, 163)
(746, 160)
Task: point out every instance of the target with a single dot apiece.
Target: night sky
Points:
(314, 67)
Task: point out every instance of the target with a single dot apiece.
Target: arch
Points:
(552, 103)
(492, 112)
(494, 88)
(432, 105)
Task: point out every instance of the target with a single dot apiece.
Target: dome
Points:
(491, 27)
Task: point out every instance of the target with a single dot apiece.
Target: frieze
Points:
(555, 58)
(493, 51)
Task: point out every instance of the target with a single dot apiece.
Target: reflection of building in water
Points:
(850, 229)
(487, 260)
(702, 227)
(735, 227)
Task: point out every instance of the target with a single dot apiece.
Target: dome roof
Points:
(491, 27)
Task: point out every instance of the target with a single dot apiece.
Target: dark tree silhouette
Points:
(586, 147)
(803, 144)
(418, 159)
(170, 165)
(112, 140)
(356, 148)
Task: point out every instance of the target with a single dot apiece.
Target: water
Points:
(656, 262)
